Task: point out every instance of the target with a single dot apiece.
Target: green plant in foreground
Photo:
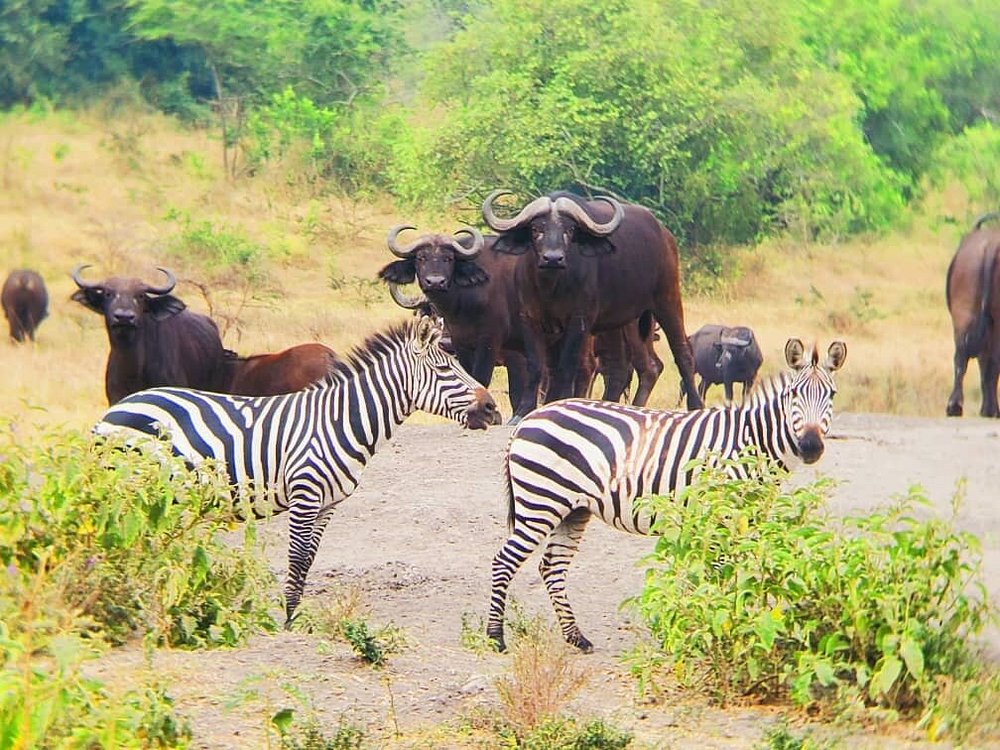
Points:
(308, 734)
(372, 647)
(754, 590)
(129, 541)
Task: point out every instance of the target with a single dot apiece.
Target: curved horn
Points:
(166, 288)
(403, 252)
(408, 303)
(529, 212)
(985, 218)
(477, 243)
(75, 273)
(734, 341)
(574, 209)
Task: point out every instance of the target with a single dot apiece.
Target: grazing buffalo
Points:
(589, 267)
(471, 287)
(283, 372)
(723, 356)
(25, 303)
(154, 339)
(973, 293)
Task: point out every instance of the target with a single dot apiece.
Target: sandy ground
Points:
(418, 538)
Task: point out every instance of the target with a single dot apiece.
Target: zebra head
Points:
(440, 384)
(809, 396)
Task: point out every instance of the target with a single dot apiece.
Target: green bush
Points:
(754, 590)
(129, 542)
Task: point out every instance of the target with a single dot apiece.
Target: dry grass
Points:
(82, 188)
(544, 676)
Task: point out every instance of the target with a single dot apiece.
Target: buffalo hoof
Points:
(515, 419)
(953, 410)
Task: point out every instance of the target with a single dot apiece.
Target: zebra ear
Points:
(426, 334)
(835, 356)
(794, 351)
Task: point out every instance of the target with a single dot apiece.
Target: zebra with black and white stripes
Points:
(574, 459)
(304, 452)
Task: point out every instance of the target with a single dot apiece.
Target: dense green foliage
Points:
(729, 120)
(98, 543)
(753, 590)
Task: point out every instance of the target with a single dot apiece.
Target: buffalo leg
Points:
(534, 364)
(647, 365)
(615, 368)
(670, 315)
(517, 376)
(562, 379)
(988, 375)
(957, 398)
(728, 386)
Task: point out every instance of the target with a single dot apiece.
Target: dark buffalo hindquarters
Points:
(973, 295)
(25, 302)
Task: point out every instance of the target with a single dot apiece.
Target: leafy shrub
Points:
(129, 541)
(227, 251)
(308, 733)
(562, 733)
(373, 647)
(753, 590)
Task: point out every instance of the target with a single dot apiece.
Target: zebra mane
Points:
(769, 389)
(374, 348)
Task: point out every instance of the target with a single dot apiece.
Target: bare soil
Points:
(418, 538)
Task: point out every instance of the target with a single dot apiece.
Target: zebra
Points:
(575, 458)
(304, 452)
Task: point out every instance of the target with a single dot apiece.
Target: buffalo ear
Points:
(92, 299)
(591, 246)
(469, 273)
(164, 306)
(511, 243)
(399, 272)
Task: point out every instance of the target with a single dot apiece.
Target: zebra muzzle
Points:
(811, 445)
(483, 413)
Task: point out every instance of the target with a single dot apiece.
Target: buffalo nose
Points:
(435, 282)
(553, 260)
(123, 317)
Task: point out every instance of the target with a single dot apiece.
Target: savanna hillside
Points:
(277, 265)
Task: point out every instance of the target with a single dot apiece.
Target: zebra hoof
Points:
(581, 643)
(498, 643)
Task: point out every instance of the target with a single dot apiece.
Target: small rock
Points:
(477, 684)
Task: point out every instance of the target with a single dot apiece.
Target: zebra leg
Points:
(305, 529)
(518, 547)
(562, 546)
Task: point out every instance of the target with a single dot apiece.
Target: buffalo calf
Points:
(25, 303)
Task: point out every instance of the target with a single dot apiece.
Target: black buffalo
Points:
(470, 286)
(25, 303)
(154, 339)
(973, 295)
(589, 267)
(725, 355)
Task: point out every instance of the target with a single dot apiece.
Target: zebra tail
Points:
(510, 490)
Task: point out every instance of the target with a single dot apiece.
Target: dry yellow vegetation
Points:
(113, 192)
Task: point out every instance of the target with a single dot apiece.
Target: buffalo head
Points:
(435, 261)
(550, 225)
(124, 302)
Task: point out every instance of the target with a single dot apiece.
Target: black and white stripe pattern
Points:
(574, 459)
(304, 451)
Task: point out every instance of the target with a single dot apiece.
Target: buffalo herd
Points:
(561, 290)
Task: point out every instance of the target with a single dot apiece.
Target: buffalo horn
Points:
(734, 341)
(166, 288)
(529, 212)
(403, 252)
(80, 282)
(409, 303)
(572, 208)
(477, 243)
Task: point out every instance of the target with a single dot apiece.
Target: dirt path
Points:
(418, 538)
